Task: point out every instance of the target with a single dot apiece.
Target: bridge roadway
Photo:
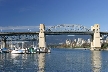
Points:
(33, 36)
(52, 33)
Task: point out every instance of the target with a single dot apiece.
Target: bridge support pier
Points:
(3, 43)
(42, 39)
(95, 38)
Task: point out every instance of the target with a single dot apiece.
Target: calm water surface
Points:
(59, 60)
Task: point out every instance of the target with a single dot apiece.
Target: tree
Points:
(104, 45)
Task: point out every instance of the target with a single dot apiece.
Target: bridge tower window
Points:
(97, 25)
(97, 29)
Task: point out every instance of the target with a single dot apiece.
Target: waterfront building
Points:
(68, 42)
(83, 41)
(88, 41)
(102, 41)
(75, 40)
(106, 39)
(79, 42)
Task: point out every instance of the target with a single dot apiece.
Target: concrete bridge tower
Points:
(95, 39)
(42, 39)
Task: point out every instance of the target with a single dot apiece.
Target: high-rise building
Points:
(106, 39)
(75, 40)
(88, 41)
(79, 42)
(68, 42)
(83, 41)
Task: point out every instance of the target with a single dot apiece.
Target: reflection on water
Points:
(96, 61)
(22, 62)
(18, 62)
(41, 62)
(60, 60)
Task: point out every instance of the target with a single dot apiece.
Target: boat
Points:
(4, 50)
(18, 51)
(31, 50)
(0, 51)
(43, 50)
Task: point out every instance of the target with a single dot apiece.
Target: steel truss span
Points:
(22, 37)
(67, 27)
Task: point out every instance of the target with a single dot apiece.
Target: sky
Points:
(54, 12)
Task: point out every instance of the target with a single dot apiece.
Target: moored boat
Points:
(17, 51)
(31, 50)
(5, 50)
(43, 50)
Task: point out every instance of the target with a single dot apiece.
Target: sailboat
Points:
(18, 50)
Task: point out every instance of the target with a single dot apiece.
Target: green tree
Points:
(104, 45)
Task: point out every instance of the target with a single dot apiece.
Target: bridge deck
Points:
(52, 33)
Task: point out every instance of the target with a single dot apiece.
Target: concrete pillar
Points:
(92, 44)
(4, 43)
(95, 39)
(42, 41)
(1, 44)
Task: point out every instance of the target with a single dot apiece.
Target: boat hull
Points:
(4, 50)
(46, 50)
(17, 52)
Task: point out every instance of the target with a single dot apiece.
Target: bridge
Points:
(27, 33)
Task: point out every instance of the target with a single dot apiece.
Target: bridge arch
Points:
(67, 27)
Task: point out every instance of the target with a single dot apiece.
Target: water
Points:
(59, 60)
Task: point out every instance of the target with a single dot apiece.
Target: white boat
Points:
(49, 50)
(4, 50)
(18, 51)
(0, 51)
(43, 50)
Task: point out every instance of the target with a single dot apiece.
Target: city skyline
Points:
(51, 13)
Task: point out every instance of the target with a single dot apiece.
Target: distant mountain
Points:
(55, 39)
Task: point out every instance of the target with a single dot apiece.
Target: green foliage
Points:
(104, 45)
